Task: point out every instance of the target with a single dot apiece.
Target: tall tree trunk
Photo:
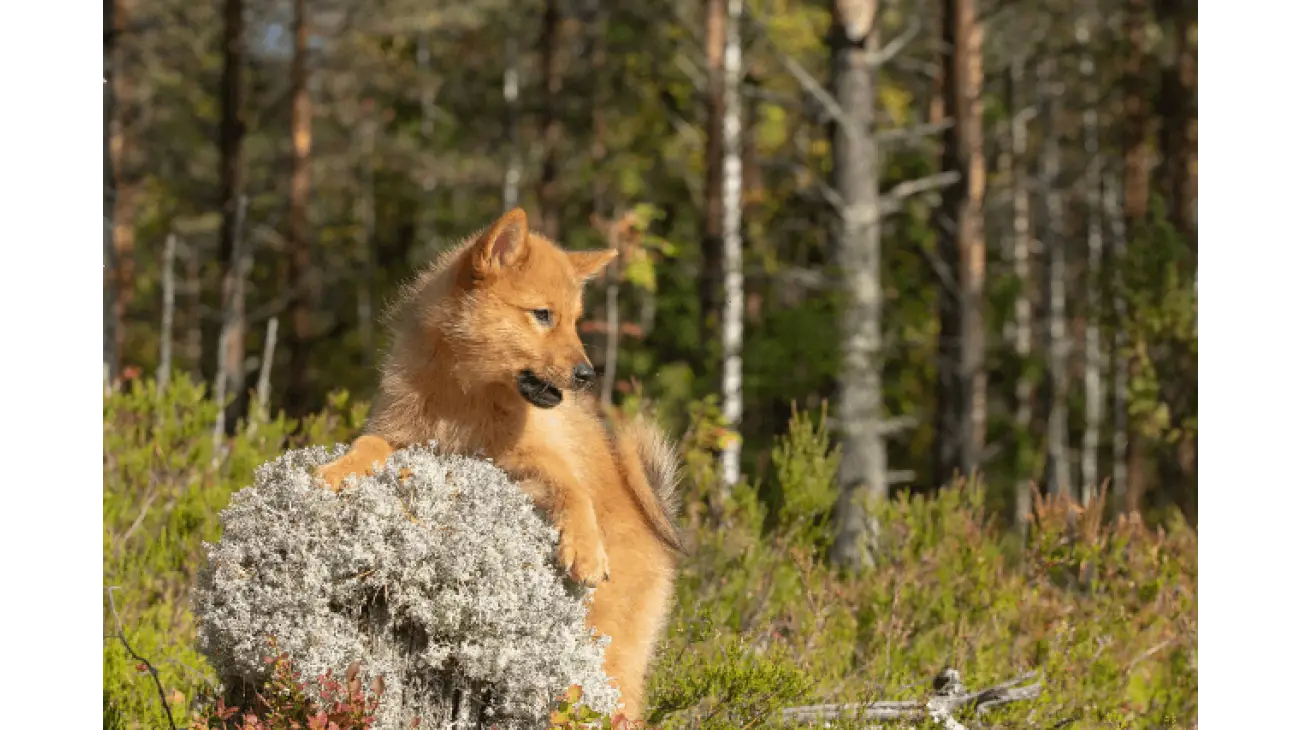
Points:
(961, 415)
(1085, 26)
(510, 92)
(300, 274)
(863, 469)
(597, 42)
(710, 285)
(232, 189)
(1057, 478)
(1119, 343)
(427, 227)
(733, 313)
(552, 127)
(110, 200)
(124, 184)
(1024, 308)
(1137, 116)
(366, 239)
(1178, 118)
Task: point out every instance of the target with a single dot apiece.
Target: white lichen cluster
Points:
(436, 573)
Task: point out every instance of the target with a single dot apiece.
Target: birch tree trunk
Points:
(1092, 359)
(1057, 477)
(1119, 343)
(732, 254)
(510, 92)
(297, 390)
(1020, 254)
(960, 412)
(863, 469)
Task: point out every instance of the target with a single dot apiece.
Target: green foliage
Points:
(162, 492)
(1106, 612)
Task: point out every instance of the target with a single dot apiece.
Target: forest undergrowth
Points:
(1104, 610)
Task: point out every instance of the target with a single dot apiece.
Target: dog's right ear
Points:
(501, 246)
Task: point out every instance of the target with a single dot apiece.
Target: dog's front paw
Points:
(335, 472)
(582, 552)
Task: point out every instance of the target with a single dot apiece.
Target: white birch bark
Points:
(1057, 476)
(733, 277)
(1092, 363)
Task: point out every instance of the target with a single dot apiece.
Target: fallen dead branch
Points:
(949, 698)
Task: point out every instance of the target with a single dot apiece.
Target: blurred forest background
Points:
(966, 226)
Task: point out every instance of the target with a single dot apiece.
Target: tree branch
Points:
(948, 698)
(121, 636)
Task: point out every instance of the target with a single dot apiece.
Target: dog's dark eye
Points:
(543, 316)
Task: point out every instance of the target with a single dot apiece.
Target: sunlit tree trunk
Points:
(732, 255)
(300, 273)
(961, 411)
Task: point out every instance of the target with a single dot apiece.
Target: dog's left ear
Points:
(502, 245)
(587, 264)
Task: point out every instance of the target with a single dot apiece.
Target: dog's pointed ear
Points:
(587, 264)
(503, 245)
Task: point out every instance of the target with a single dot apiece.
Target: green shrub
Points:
(162, 493)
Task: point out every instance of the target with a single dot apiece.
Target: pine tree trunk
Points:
(300, 274)
(1178, 118)
(110, 255)
(124, 184)
(1092, 359)
(710, 285)
(1057, 478)
(961, 415)
(232, 189)
(732, 255)
(863, 468)
(1137, 116)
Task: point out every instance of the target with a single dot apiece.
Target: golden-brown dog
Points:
(486, 359)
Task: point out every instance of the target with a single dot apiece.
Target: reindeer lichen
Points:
(436, 573)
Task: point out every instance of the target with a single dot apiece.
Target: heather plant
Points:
(1105, 612)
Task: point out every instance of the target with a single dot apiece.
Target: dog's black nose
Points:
(583, 374)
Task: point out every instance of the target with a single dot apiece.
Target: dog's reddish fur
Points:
(463, 331)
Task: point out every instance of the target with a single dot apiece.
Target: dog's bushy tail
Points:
(651, 465)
